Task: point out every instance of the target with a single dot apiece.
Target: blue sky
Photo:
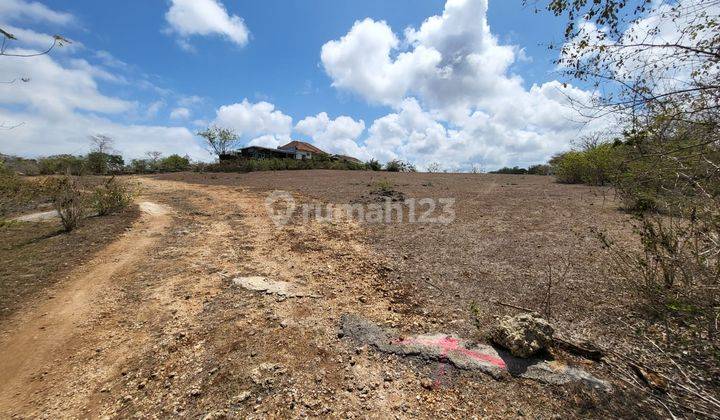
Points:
(155, 67)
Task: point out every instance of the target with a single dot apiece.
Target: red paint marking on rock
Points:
(448, 344)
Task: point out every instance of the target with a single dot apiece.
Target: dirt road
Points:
(155, 325)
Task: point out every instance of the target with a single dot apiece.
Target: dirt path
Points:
(39, 335)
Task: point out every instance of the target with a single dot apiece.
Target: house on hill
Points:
(294, 150)
(302, 150)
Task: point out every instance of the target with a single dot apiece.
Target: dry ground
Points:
(152, 324)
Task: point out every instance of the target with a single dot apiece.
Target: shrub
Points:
(61, 164)
(15, 192)
(539, 170)
(20, 165)
(511, 171)
(569, 167)
(374, 165)
(384, 186)
(140, 166)
(252, 165)
(174, 163)
(102, 163)
(399, 166)
(68, 199)
(111, 197)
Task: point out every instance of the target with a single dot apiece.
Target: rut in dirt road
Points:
(40, 335)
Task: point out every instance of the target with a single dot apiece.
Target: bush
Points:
(140, 166)
(511, 171)
(68, 199)
(174, 163)
(20, 165)
(15, 192)
(384, 186)
(100, 163)
(62, 164)
(399, 166)
(594, 165)
(111, 197)
(374, 165)
(539, 170)
(253, 165)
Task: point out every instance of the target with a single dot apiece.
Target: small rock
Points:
(241, 397)
(427, 383)
(523, 335)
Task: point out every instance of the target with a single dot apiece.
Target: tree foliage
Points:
(219, 140)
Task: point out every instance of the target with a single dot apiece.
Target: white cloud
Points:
(455, 98)
(54, 90)
(110, 60)
(42, 136)
(255, 121)
(62, 104)
(154, 108)
(11, 10)
(269, 141)
(187, 101)
(336, 136)
(205, 17)
(180, 114)
(361, 61)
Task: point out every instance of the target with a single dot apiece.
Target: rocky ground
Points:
(204, 308)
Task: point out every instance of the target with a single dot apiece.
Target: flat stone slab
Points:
(270, 287)
(465, 355)
(38, 217)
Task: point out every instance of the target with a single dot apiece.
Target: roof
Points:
(302, 147)
(266, 149)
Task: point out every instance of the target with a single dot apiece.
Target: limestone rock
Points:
(523, 335)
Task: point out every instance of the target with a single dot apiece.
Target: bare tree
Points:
(219, 141)
(643, 57)
(102, 143)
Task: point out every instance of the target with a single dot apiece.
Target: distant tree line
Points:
(539, 169)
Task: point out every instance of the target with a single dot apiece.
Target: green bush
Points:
(111, 197)
(100, 163)
(62, 164)
(399, 166)
(140, 166)
(511, 171)
(374, 165)
(174, 163)
(594, 165)
(255, 165)
(539, 170)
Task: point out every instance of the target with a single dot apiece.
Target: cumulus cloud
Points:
(336, 136)
(12, 10)
(454, 97)
(361, 62)
(259, 123)
(180, 114)
(188, 18)
(54, 90)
